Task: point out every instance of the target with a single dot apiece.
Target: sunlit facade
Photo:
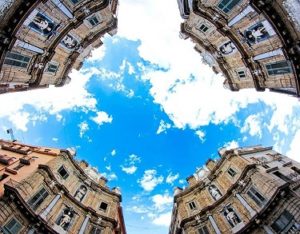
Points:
(42, 41)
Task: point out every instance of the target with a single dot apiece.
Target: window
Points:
(282, 222)
(18, 167)
(231, 172)
(94, 21)
(38, 199)
(95, 230)
(256, 196)
(52, 68)
(278, 68)
(203, 230)
(227, 5)
(16, 59)
(203, 28)
(75, 1)
(12, 227)
(241, 74)
(281, 176)
(3, 176)
(192, 205)
(103, 206)
(296, 169)
(63, 172)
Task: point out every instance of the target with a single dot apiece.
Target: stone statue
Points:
(65, 220)
(232, 217)
(216, 194)
(80, 193)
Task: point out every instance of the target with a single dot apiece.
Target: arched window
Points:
(80, 193)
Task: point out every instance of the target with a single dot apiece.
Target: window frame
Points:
(39, 197)
(62, 167)
(102, 209)
(192, 205)
(280, 217)
(78, 1)
(233, 172)
(241, 77)
(52, 64)
(15, 60)
(225, 6)
(271, 71)
(252, 193)
(95, 16)
(11, 231)
(203, 230)
(203, 27)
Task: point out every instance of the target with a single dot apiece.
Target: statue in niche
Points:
(80, 193)
(231, 216)
(215, 193)
(66, 218)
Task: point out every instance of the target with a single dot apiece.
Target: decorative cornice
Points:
(78, 203)
(229, 192)
(221, 25)
(291, 44)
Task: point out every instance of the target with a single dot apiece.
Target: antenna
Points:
(11, 133)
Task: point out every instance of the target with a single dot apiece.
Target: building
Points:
(45, 190)
(41, 41)
(248, 190)
(253, 43)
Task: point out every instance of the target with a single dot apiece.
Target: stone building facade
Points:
(42, 40)
(46, 190)
(248, 190)
(253, 43)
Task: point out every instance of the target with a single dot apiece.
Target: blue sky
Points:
(147, 113)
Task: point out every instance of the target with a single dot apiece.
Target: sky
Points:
(147, 113)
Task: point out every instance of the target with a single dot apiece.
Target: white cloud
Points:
(201, 135)
(55, 139)
(163, 219)
(20, 120)
(97, 54)
(150, 180)
(163, 126)
(101, 118)
(171, 178)
(110, 176)
(161, 201)
(72, 97)
(83, 127)
(134, 159)
(294, 151)
(130, 167)
(253, 126)
(129, 170)
(113, 152)
(231, 145)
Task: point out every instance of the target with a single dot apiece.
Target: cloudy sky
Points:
(147, 113)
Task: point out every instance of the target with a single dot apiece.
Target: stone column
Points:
(267, 229)
(246, 205)
(51, 205)
(213, 223)
(84, 224)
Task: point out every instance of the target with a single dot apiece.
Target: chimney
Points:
(83, 164)
(102, 181)
(191, 180)
(177, 190)
(210, 164)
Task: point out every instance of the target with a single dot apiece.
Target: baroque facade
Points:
(41, 41)
(248, 190)
(44, 190)
(253, 43)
